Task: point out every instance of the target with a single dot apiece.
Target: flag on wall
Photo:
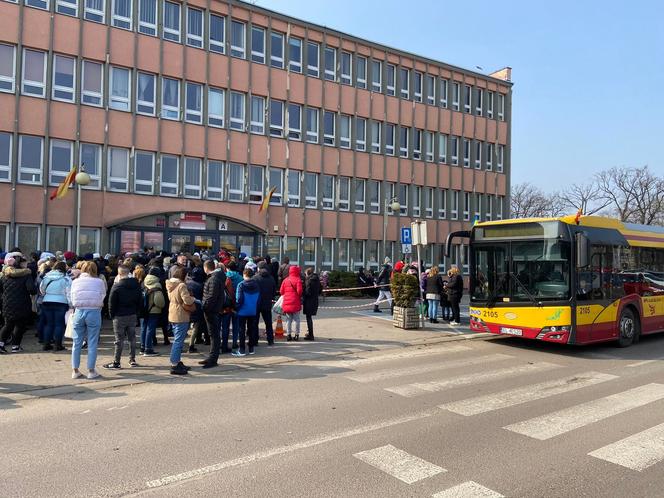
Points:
(266, 201)
(63, 188)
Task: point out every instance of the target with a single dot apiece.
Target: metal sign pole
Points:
(419, 286)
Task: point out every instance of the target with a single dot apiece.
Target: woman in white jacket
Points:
(87, 297)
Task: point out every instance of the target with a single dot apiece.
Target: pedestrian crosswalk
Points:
(468, 489)
(400, 464)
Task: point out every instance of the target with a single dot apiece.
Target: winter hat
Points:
(10, 261)
(398, 266)
(69, 255)
(87, 256)
(96, 256)
(387, 261)
(151, 280)
(251, 265)
(243, 255)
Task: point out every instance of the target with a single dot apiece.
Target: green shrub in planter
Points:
(405, 290)
(338, 279)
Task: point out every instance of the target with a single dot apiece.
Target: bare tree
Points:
(528, 201)
(585, 197)
(635, 194)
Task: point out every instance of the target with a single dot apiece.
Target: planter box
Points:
(406, 318)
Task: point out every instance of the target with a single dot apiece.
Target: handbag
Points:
(278, 307)
(69, 320)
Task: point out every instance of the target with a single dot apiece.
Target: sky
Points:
(588, 75)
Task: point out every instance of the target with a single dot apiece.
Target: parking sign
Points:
(406, 235)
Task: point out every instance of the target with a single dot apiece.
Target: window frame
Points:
(346, 78)
(277, 196)
(478, 154)
(276, 110)
(310, 201)
(466, 206)
(117, 179)
(238, 51)
(345, 120)
(276, 60)
(443, 87)
(374, 206)
(404, 90)
(313, 136)
(293, 179)
(167, 111)
(454, 145)
(489, 156)
(67, 7)
(390, 138)
(146, 104)
(376, 132)
(88, 94)
(430, 88)
(193, 115)
(500, 152)
(329, 139)
(417, 143)
(404, 132)
(163, 185)
(41, 85)
(360, 205)
(197, 163)
(56, 177)
(170, 33)
(361, 73)
(417, 201)
(11, 80)
(71, 90)
(193, 39)
(93, 171)
(118, 102)
(209, 189)
(501, 107)
(235, 194)
(328, 201)
(428, 146)
(238, 123)
(147, 27)
(330, 74)
(257, 127)
(122, 21)
(466, 152)
(313, 70)
(376, 85)
(255, 172)
(214, 119)
(456, 96)
(294, 129)
(417, 86)
(93, 14)
(7, 168)
(467, 98)
(22, 170)
(139, 183)
(360, 139)
(217, 46)
(295, 64)
(390, 90)
(490, 96)
(442, 148)
(479, 101)
(454, 208)
(442, 204)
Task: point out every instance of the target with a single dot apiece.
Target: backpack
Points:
(145, 303)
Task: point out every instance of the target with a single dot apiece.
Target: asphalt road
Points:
(466, 418)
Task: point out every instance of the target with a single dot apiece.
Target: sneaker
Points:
(454, 323)
(142, 350)
(17, 349)
(93, 374)
(178, 370)
(238, 353)
(77, 375)
(251, 351)
(150, 352)
(132, 363)
(60, 347)
(182, 365)
(112, 366)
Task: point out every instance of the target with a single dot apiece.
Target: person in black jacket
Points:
(124, 305)
(200, 333)
(157, 269)
(434, 287)
(383, 284)
(16, 288)
(454, 291)
(268, 289)
(214, 294)
(310, 305)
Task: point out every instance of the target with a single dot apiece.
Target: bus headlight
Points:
(561, 330)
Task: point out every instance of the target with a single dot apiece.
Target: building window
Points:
(417, 84)
(64, 77)
(489, 156)
(403, 141)
(194, 28)
(361, 81)
(442, 148)
(28, 238)
(118, 169)
(360, 193)
(147, 17)
(235, 182)
(489, 104)
(122, 10)
(466, 206)
(328, 128)
(256, 181)
(478, 207)
(391, 80)
(344, 131)
(389, 139)
(92, 91)
(170, 99)
(277, 50)
(374, 196)
(442, 92)
(39, 4)
(120, 88)
(499, 160)
(7, 68)
(479, 94)
(466, 98)
(478, 154)
(57, 238)
(455, 205)
(276, 183)
(312, 125)
(346, 68)
(146, 89)
(375, 137)
(430, 86)
(237, 111)
(501, 107)
(309, 251)
(456, 95)
(192, 177)
(258, 44)
(311, 190)
(344, 193)
(466, 153)
(194, 103)
(4, 236)
(404, 81)
(373, 253)
(358, 254)
(90, 159)
(144, 172)
(442, 204)
(417, 200)
(327, 255)
(342, 250)
(313, 59)
(293, 249)
(170, 166)
(428, 146)
(238, 39)
(94, 10)
(215, 180)
(67, 7)
(327, 191)
(489, 207)
(499, 207)
(428, 202)
(376, 76)
(454, 146)
(276, 118)
(216, 107)
(171, 30)
(403, 199)
(88, 241)
(417, 143)
(257, 118)
(34, 73)
(30, 159)
(295, 55)
(330, 63)
(60, 161)
(5, 158)
(360, 134)
(217, 34)
(295, 121)
(293, 188)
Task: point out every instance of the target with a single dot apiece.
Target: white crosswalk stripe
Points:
(442, 365)
(568, 419)
(406, 353)
(468, 489)
(636, 452)
(399, 464)
(518, 396)
(419, 388)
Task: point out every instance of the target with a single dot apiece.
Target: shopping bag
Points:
(278, 306)
(69, 320)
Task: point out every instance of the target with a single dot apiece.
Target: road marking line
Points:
(400, 464)
(600, 356)
(468, 489)
(518, 396)
(403, 372)
(408, 353)
(562, 421)
(644, 362)
(636, 452)
(418, 388)
(280, 450)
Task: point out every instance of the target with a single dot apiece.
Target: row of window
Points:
(206, 30)
(164, 96)
(32, 238)
(145, 172)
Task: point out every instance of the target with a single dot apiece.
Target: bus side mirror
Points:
(581, 250)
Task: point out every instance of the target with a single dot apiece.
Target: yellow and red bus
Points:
(573, 279)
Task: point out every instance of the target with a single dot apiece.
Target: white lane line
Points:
(399, 464)
(407, 353)
(418, 388)
(280, 450)
(432, 367)
(636, 452)
(468, 489)
(562, 421)
(645, 362)
(518, 396)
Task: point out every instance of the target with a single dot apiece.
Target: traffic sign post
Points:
(419, 237)
(406, 248)
(406, 235)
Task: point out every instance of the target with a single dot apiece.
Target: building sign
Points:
(223, 226)
(192, 221)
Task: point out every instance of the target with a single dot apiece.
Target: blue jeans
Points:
(225, 330)
(236, 329)
(149, 331)
(87, 322)
(433, 308)
(54, 321)
(180, 332)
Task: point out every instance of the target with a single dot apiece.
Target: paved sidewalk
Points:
(339, 332)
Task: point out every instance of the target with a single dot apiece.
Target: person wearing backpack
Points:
(153, 305)
(268, 288)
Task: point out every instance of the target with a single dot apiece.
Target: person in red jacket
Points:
(291, 290)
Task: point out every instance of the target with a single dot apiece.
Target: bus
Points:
(571, 280)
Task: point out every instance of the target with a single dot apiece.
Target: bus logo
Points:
(511, 316)
(556, 315)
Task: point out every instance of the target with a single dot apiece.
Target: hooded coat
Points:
(291, 290)
(155, 302)
(55, 286)
(178, 295)
(268, 288)
(311, 293)
(16, 287)
(195, 284)
(248, 298)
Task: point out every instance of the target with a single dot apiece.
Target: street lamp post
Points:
(82, 179)
(389, 203)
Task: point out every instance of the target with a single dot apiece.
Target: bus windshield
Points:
(520, 271)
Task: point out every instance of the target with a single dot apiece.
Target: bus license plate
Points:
(510, 331)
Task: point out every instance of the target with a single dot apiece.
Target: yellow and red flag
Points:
(63, 188)
(579, 213)
(266, 201)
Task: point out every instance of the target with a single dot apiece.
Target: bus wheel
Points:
(627, 328)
